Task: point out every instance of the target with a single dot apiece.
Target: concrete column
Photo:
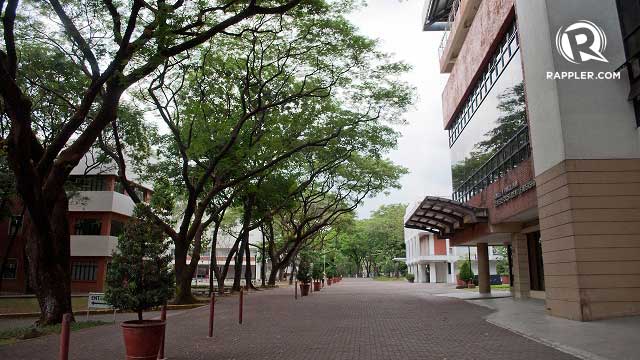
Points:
(520, 260)
(483, 268)
(420, 275)
(433, 273)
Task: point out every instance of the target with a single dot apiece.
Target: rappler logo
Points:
(581, 42)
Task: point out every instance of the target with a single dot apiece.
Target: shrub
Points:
(317, 271)
(304, 272)
(139, 276)
(466, 273)
(410, 277)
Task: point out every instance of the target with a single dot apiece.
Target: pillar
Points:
(433, 273)
(420, 275)
(520, 265)
(483, 268)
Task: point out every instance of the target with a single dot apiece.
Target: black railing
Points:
(508, 157)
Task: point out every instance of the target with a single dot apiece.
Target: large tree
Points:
(287, 85)
(115, 45)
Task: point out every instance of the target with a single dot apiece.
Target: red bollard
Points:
(241, 301)
(163, 317)
(64, 337)
(212, 302)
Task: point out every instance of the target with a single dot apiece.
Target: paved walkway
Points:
(355, 319)
(594, 340)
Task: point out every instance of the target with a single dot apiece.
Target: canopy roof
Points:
(444, 216)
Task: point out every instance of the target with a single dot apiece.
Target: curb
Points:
(97, 312)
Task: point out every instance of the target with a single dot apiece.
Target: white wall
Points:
(574, 119)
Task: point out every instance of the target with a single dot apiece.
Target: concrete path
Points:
(355, 319)
(594, 340)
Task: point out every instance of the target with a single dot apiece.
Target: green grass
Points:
(386, 278)
(494, 287)
(30, 304)
(9, 336)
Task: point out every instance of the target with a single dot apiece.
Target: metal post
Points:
(241, 303)
(64, 337)
(212, 301)
(163, 317)
(295, 288)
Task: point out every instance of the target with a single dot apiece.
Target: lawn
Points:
(386, 278)
(9, 336)
(504, 287)
(30, 304)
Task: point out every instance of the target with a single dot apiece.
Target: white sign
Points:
(96, 301)
(581, 42)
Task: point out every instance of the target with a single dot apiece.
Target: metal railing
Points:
(455, 5)
(507, 158)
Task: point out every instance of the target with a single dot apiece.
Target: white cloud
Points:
(423, 147)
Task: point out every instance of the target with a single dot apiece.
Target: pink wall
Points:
(493, 19)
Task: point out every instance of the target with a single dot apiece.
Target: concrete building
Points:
(98, 210)
(432, 259)
(542, 107)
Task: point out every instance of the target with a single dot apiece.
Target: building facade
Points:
(432, 259)
(542, 108)
(98, 209)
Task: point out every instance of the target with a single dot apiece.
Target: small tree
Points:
(304, 272)
(466, 273)
(139, 276)
(317, 271)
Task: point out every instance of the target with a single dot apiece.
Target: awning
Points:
(437, 15)
(444, 217)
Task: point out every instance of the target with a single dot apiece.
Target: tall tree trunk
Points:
(49, 262)
(237, 273)
(184, 274)
(248, 273)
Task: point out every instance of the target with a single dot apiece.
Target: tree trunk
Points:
(49, 262)
(184, 274)
(237, 273)
(248, 273)
(273, 275)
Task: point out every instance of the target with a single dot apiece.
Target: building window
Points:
(117, 228)
(88, 227)
(629, 14)
(490, 135)
(87, 183)
(10, 269)
(15, 224)
(83, 271)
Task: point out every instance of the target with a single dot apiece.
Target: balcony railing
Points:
(455, 5)
(507, 158)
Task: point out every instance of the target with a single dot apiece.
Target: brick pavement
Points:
(356, 319)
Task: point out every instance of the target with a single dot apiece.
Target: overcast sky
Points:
(423, 147)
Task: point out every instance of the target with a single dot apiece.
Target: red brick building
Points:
(98, 210)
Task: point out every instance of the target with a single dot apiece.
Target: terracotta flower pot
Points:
(304, 289)
(316, 286)
(142, 338)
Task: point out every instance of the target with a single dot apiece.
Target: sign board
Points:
(512, 191)
(96, 301)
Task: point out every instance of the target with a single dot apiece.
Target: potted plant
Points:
(331, 274)
(466, 274)
(304, 277)
(410, 277)
(139, 278)
(317, 273)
